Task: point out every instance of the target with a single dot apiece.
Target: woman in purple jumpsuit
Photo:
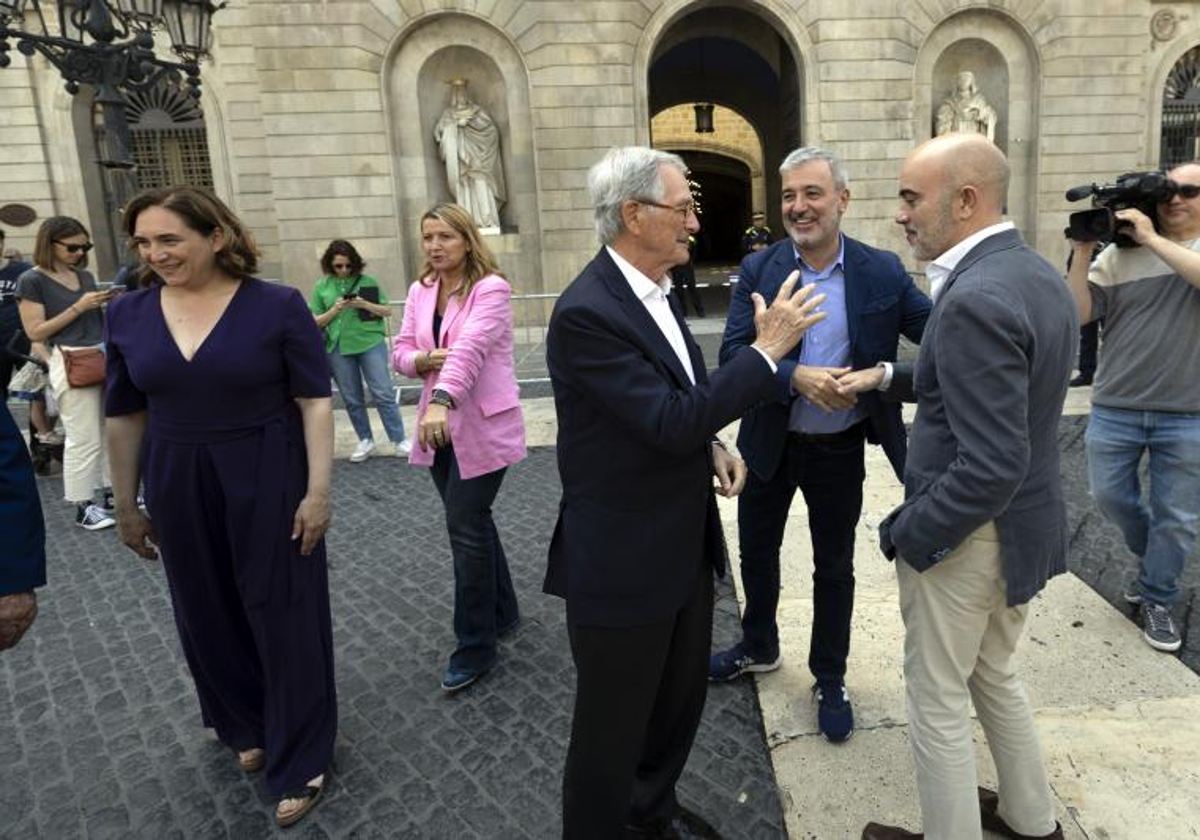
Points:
(218, 400)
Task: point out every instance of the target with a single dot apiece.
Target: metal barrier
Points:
(531, 315)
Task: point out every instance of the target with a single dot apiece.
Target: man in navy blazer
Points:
(810, 434)
(638, 536)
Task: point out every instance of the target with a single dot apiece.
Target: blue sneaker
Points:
(835, 716)
(731, 664)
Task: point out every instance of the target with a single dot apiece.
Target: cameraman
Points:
(1146, 396)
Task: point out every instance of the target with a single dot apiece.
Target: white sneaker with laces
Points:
(403, 448)
(363, 451)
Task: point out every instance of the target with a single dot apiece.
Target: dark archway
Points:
(732, 57)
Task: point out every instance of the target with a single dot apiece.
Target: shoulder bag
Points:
(84, 365)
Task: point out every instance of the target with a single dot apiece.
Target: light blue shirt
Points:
(826, 344)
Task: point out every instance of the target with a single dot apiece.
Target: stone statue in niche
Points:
(470, 145)
(966, 110)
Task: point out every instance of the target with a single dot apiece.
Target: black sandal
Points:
(311, 794)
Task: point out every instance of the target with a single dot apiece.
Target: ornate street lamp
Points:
(120, 54)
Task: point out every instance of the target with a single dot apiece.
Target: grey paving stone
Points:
(105, 737)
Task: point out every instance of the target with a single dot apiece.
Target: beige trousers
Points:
(81, 410)
(958, 648)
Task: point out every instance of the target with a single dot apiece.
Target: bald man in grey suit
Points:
(983, 524)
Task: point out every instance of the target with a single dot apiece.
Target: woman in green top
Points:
(351, 307)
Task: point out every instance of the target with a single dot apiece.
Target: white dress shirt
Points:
(942, 267)
(653, 296)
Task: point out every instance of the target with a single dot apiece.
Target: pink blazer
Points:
(486, 425)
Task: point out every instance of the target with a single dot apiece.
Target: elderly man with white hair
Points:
(638, 536)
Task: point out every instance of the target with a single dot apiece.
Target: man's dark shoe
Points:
(835, 715)
(686, 825)
(989, 803)
(875, 831)
(732, 663)
(1081, 380)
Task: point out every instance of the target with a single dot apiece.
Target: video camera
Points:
(1140, 190)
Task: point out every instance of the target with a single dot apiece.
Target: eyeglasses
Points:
(75, 249)
(341, 266)
(684, 210)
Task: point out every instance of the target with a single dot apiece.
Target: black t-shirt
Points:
(10, 318)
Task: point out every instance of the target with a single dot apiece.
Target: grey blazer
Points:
(989, 383)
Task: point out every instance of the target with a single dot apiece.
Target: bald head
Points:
(951, 187)
(967, 159)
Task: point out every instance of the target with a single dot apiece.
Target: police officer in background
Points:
(758, 235)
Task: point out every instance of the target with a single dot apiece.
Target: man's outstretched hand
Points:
(781, 325)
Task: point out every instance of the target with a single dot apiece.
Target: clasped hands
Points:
(832, 388)
(780, 328)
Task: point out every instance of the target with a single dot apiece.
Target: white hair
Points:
(624, 174)
(801, 156)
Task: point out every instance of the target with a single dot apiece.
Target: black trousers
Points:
(639, 695)
(1089, 346)
(684, 277)
(829, 472)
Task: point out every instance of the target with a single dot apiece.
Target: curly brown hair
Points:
(342, 248)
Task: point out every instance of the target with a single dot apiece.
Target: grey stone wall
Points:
(321, 112)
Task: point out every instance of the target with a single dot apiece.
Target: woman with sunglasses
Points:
(62, 307)
(457, 336)
(351, 307)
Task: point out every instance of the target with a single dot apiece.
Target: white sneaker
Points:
(363, 451)
(403, 449)
(93, 518)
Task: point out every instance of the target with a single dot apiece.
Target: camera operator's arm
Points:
(1077, 278)
(1180, 257)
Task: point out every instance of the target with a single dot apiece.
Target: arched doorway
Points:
(734, 56)
(727, 163)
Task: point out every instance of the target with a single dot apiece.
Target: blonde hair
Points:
(480, 262)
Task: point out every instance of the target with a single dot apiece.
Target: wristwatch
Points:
(441, 396)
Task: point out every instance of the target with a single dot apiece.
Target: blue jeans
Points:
(1161, 530)
(485, 604)
(349, 371)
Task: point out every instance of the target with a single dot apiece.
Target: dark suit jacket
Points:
(882, 303)
(990, 381)
(638, 519)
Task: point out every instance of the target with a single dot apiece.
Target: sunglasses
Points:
(1188, 190)
(75, 249)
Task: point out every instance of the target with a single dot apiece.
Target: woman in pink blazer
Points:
(457, 337)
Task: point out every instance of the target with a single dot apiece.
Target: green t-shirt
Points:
(347, 333)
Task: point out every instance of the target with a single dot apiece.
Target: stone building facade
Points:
(319, 116)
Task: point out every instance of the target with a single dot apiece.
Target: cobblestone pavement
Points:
(1098, 554)
(100, 733)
